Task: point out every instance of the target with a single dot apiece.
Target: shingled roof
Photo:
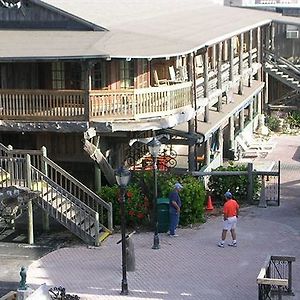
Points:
(134, 28)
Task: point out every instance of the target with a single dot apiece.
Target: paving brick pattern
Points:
(190, 266)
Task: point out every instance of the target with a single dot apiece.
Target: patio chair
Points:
(248, 151)
(174, 78)
(259, 144)
(158, 81)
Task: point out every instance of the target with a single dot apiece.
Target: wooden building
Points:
(188, 69)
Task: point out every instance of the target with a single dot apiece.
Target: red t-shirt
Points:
(230, 208)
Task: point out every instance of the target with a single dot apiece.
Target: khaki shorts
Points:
(230, 223)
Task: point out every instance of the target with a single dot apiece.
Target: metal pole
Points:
(250, 183)
(156, 236)
(123, 229)
(279, 183)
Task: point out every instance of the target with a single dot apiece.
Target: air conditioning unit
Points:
(292, 34)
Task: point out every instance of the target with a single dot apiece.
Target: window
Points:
(73, 76)
(58, 75)
(99, 76)
(126, 74)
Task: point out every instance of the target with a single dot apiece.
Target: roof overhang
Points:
(181, 137)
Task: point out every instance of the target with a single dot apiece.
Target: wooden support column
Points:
(219, 84)
(231, 132)
(266, 89)
(259, 108)
(192, 122)
(221, 142)
(251, 111)
(259, 52)
(207, 152)
(242, 119)
(250, 57)
(268, 37)
(231, 57)
(97, 172)
(225, 50)
(273, 37)
(45, 215)
(29, 203)
(206, 112)
(213, 59)
(241, 67)
(87, 84)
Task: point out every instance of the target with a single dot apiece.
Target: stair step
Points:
(284, 76)
(290, 79)
(87, 225)
(274, 70)
(104, 235)
(279, 73)
(70, 213)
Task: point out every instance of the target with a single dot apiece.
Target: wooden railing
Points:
(67, 105)
(42, 104)
(225, 76)
(140, 103)
(275, 277)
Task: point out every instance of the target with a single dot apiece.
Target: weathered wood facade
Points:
(215, 91)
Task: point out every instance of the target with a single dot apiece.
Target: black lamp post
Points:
(122, 177)
(154, 147)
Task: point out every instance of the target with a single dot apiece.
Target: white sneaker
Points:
(232, 244)
(173, 235)
(221, 245)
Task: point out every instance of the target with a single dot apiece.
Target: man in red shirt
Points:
(230, 212)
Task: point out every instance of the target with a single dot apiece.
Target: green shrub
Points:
(139, 198)
(136, 207)
(273, 123)
(293, 119)
(236, 184)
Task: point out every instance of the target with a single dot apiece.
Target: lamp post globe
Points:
(122, 177)
(154, 148)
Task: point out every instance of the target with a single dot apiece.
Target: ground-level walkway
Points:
(190, 266)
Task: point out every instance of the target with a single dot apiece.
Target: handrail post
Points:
(29, 204)
(44, 167)
(97, 236)
(110, 217)
(10, 168)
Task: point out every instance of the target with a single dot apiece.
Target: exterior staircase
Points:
(57, 192)
(283, 70)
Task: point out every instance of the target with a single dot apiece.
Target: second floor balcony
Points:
(94, 105)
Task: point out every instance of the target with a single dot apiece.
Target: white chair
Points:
(248, 151)
(158, 81)
(173, 76)
(260, 144)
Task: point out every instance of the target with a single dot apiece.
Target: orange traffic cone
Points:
(209, 205)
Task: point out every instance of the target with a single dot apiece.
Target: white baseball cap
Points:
(178, 186)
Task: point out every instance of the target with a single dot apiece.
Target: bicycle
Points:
(166, 161)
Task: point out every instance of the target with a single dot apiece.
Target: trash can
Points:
(163, 214)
